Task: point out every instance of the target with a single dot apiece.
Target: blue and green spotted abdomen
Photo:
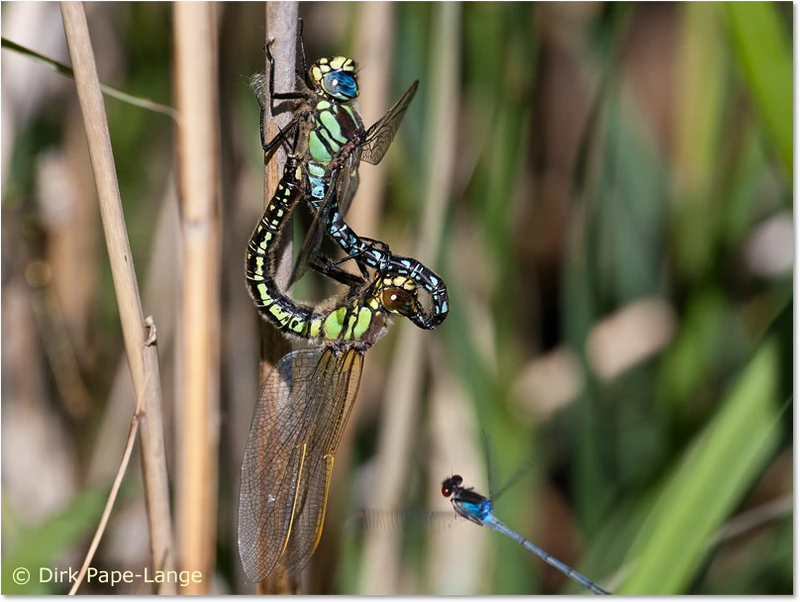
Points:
(356, 319)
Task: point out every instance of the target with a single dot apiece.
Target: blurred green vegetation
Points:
(607, 153)
(40, 547)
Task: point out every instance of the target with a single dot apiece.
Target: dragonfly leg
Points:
(304, 75)
(362, 267)
(282, 134)
(361, 260)
(273, 95)
(375, 244)
(368, 251)
(376, 254)
(329, 268)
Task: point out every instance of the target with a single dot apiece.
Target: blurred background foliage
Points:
(618, 245)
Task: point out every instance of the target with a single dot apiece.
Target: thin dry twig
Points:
(124, 277)
(112, 497)
(151, 360)
(380, 560)
(196, 84)
(374, 53)
(754, 518)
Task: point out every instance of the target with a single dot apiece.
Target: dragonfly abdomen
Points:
(285, 314)
(383, 260)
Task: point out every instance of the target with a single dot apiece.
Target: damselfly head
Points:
(335, 77)
(451, 484)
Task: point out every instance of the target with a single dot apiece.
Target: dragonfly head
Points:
(399, 295)
(335, 77)
(451, 485)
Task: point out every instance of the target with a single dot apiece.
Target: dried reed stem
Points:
(196, 85)
(282, 30)
(159, 290)
(380, 563)
(154, 465)
(374, 51)
(146, 384)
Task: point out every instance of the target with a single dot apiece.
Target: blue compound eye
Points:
(340, 85)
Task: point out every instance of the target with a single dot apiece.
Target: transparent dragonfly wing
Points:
(313, 239)
(302, 410)
(258, 85)
(382, 132)
(348, 182)
(316, 232)
(340, 194)
(398, 522)
(340, 375)
(344, 180)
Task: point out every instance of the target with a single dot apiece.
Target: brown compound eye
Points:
(398, 301)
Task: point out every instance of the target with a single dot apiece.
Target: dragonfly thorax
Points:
(363, 317)
(467, 503)
(335, 77)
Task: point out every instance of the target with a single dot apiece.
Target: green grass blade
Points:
(765, 53)
(709, 482)
(62, 69)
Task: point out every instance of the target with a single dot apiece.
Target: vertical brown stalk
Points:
(282, 32)
(380, 566)
(145, 380)
(374, 53)
(198, 347)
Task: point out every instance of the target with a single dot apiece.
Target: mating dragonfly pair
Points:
(306, 400)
